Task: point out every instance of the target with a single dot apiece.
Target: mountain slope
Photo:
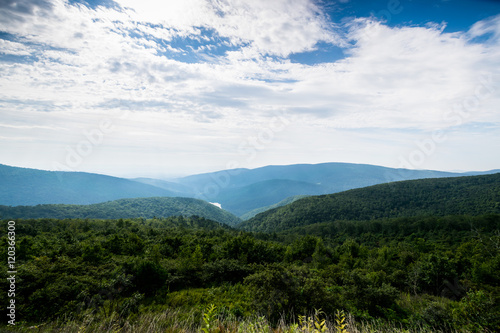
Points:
(179, 189)
(243, 199)
(21, 186)
(228, 187)
(124, 208)
(287, 201)
(473, 195)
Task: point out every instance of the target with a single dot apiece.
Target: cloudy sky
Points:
(169, 87)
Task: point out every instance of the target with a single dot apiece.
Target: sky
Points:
(169, 88)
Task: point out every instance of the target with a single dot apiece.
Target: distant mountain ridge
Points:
(239, 191)
(467, 195)
(172, 187)
(124, 208)
(22, 186)
(265, 186)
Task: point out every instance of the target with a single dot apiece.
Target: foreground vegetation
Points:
(168, 321)
(162, 275)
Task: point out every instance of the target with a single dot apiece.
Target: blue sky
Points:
(164, 88)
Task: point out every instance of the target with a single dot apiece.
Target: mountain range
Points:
(243, 192)
(22, 186)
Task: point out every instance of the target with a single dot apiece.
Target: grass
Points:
(171, 321)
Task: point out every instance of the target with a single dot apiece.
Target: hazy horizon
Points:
(172, 177)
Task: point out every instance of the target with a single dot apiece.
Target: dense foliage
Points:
(427, 197)
(124, 208)
(437, 272)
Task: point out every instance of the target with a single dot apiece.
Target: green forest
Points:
(124, 208)
(473, 195)
(414, 269)
(444, 275)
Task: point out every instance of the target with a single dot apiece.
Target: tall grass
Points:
(171, 321)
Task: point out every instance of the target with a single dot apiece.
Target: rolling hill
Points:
(243, 190)
(124, 208)
(472, 195)
(239, 191)
(21, 186)
(243, 199)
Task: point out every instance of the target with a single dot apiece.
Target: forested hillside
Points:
(421, 256)
(473, 195)
(124, 208)
(162, 275)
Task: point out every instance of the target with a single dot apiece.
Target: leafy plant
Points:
(313, 324)
(340, 323)
(210, 319)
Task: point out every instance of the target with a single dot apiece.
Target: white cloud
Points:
(278, 27)
(13, 48)
(401, 77)
(95, 63)
(484, 27)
